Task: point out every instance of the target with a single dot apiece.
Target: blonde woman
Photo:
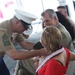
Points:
(56, 63)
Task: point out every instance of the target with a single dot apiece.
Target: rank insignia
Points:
(5, 39)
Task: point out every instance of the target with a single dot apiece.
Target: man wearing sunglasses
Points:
(12, 30)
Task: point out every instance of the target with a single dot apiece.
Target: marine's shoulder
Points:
(5, 24)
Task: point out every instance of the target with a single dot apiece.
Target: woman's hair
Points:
(65, 22)
(51, 38)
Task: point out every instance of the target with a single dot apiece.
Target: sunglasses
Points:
(26, 25)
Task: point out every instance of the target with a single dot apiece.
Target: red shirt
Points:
(52, 67)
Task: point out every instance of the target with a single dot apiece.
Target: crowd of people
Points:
(55, 50)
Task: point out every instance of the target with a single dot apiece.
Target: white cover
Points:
(25, 16)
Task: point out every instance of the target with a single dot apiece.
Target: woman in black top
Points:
(65, 22)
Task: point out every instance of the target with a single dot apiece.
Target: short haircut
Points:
(61, 7)
(51, 13)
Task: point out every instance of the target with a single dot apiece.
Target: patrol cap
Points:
(25, 17)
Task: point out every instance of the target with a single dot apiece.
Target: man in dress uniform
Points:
(14, 28)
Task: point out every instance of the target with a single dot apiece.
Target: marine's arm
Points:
(24, 43)
(7, 46)
(20, 55)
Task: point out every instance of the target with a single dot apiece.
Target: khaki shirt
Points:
(5, 36)
(66, 38)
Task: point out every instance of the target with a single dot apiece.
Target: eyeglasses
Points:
(26, 25)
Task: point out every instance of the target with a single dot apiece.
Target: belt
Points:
(2, 54)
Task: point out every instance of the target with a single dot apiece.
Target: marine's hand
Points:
(43, 52)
